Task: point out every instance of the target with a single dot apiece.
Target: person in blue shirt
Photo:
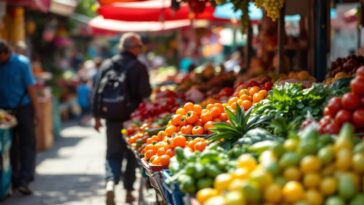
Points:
(18, 95)
(84, 100)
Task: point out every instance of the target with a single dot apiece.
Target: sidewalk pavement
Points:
(72, 172)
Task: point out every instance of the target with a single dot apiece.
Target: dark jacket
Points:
(137, 76)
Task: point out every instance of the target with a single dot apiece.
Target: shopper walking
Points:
(122, 84)
(84, 101)
(18, 95)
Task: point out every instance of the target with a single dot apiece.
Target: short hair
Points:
(4, 47)
(127, 40)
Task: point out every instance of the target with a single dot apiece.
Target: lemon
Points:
(205, 194)
(291, 144)
(293, 192)
(236, 184)
(234, 198)
(328, 186)
(273, 193)
(358, 162)
(240, 173)
(310, 164)
(222, 181)
(215, 200)
(247, 161)
(292, 174)
(261, 177)
(344, 159)
(313, 197)
(312, 180)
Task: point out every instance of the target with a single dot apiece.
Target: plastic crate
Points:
(5, 167)
(172, 190)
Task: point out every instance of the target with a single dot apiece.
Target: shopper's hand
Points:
(97, 124)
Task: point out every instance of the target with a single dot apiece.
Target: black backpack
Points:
(111, 100)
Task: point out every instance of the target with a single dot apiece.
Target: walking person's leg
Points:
(114, 158)
(15, 158)
(129, 175)
(27, 148)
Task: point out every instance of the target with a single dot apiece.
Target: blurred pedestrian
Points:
(84, 100)
(18, 95)
(126, 73)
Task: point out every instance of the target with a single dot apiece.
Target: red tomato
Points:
(350, 101)
(325, 121)
(332, 128)
(358, 118)
(335, 104)
(357, 85)
(342, 116)
(328, 112)
(360, 71)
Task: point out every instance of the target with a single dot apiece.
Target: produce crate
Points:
(154, 175)
(171, 191)
(5, 167)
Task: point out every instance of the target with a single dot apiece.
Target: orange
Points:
(257, 97)
(215, 112)
(232, 100)
(197, 130)
(243, 92)
(157, 160)
(246, 104)
(170, 130)
(188, 106)
(181, 111)
(253, 90)
(161, 151)
(148, 154)
(200, 146)
(164, 160)
(245, 97)
(187, 129)
(179, 141)
(197, 108)
(208, 125)
(264, 93)
(170, 152)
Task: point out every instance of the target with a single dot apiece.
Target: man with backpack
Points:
(121, 85)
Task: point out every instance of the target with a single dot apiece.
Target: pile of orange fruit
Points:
(159, 152)
(246, 98)
(192, 119)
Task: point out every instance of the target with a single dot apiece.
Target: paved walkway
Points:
(71, 173)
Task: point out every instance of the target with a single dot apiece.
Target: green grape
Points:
(273, 7)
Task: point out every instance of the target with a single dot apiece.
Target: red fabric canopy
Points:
(42, 5)
(153, 10)
(99, 25)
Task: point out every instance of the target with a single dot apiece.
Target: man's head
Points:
(4, 51)
(131, 42)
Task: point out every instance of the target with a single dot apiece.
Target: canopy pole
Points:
(281, 39)
(320, 45)
(248, 47)
(361, 24)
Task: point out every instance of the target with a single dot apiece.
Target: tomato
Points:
(350, 101)
(200, 146)
(357, 85)
(342, 116)
(176, 119)
(332, 128)
(328, 112)
(325, 120)
(192, 117)
(208, 125)
(197, 130)
(358, 118)
(334, 104)
(188, 106)
(179, 141)
(187, 129)
(360, 71)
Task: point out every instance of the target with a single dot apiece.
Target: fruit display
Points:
(347, 65)
(165, 103)
(292, 141)
(7, 120)
(308, 169)
(348, 108)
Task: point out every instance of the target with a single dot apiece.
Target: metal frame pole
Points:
(320, 45)
(281, 39)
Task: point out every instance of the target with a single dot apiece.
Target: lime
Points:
(212, 170)
(199, 171)
(251, 193)
(335, 200)
(289, 159)
(358, 162)
(204, 183)
(358, 200)
(326, 154)
(190, 169)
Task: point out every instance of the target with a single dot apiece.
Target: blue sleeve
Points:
(26, 70)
